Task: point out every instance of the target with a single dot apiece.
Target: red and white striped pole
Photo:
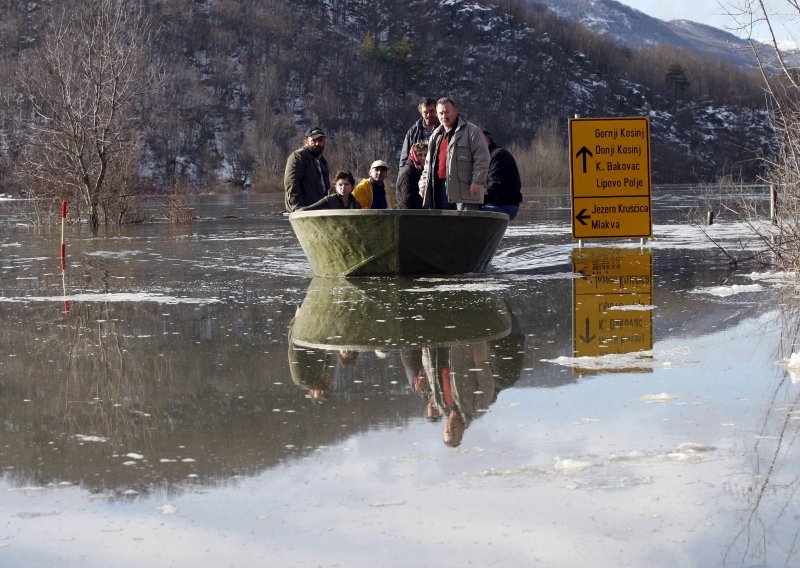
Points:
(63, 246)
(64, 256)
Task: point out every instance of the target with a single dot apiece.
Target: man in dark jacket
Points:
(503, 186)
(306, 178)
(421, 130)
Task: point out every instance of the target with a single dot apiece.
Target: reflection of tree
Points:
(87, 393)
(774, 487)
(210, 384)
(200, 394)
(104, 389)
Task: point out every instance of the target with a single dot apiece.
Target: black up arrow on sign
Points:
(582, 153)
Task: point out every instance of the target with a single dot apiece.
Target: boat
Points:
(398, 241)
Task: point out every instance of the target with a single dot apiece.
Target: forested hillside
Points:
(243, 78)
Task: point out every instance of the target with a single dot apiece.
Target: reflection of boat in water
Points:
(452, 342)
(397, 242)
(395, 314)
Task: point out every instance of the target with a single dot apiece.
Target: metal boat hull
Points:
(399, 241)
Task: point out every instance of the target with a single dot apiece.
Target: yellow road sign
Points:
(610, 177)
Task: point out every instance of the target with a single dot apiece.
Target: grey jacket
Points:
(467, 163)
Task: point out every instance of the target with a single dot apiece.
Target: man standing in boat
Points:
(421, 130)
(306, 178)
(456, 164)
(372, 192)
(503, 186)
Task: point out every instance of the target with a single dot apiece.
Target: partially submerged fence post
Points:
(773, 203)
(710, 218)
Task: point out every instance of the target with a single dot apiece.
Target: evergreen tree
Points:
(676, 78)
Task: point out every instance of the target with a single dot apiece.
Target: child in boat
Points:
(340, 197)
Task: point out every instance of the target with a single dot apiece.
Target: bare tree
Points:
(85, 86)
(780, 81)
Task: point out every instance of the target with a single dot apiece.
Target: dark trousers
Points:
(440, 195)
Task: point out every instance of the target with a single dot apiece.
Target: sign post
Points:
(610, 177)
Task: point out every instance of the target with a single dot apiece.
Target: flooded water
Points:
(190, 395)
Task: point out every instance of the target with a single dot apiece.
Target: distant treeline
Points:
(243, 78)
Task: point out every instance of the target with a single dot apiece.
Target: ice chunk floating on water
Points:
(661, 397)
(568, 465)
(167, 509)
(85, 438)
(118, 297)
(633, 308)
(725, 291)
(793, 366)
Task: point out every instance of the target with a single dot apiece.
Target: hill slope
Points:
(246, 77)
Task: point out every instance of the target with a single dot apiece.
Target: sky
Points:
(714, 13)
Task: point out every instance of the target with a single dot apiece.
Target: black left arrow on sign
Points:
(582, 153)
(581, 216)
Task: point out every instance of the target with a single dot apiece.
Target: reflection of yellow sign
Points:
(605, 324)
(612, 303)
(616, 271)
(610, 177)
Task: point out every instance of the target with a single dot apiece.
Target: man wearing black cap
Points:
(306, 178)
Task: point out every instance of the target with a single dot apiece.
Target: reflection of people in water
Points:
(417, 376)
(462, 385)
(347, 357)
(310, 370)
(466, 379)
(457, 383)
(507, 356)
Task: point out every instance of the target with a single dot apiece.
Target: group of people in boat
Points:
(445, 162)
